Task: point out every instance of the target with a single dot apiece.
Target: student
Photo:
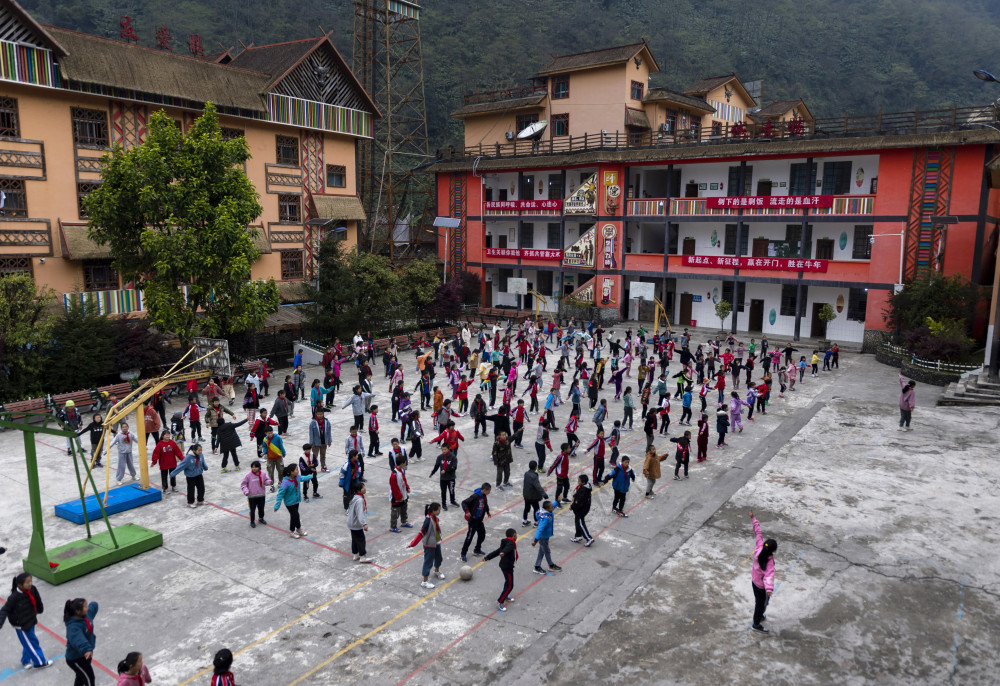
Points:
(502, 459)
(430, 534)
(288, 494)
(229, 441)
(561, 467)
(78, 616)
(70, 416)
(397, 452)
(703, 437)
(350, 476)
(316, 395)
(614, 440)
(721, 425)
(761, 574)
(802, 367)
(478, 414)
(580, 508)
(736, 411)
(683, 455)
(282, 409)
(600, 414)
(621, 478)
(132, 672)
(907, 401)
(193, 465)
(686, 399)
(571, 428)
(124, 441)
(827, 357)
(649, 428)
(167, 453)
(214, 418)
(447, 464)
(222, 665)
(518, 417)
(357, 524)
(96, 431)
(150, 422)
(373, 441)
(193, 414)
(598, 446)
(274, 455)
(260, 428)
(651, 468)
(543, 533)
(507, 552)
(321, 435)
(476, 508)
(815, 363)
(22, 608)
(308, 466)
(253, 488)
(629, 408)
(416, 432)
(399, 495)
(532, 492)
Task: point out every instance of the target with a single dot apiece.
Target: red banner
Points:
(778, 264)
(523, 205)
(524, 253)
(769, 202)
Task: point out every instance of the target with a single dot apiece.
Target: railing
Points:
(895, 123)
(849, 205)
(937, 365)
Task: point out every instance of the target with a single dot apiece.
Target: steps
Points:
(972, 389)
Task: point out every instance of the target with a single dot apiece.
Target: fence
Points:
(936, 365)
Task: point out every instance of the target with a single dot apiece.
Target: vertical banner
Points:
(609, 293)
(609, 255)
(612, 192)
(581, 253)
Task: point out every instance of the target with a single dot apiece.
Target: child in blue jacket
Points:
(289, 494)
(78, 616)
(621, 478)
(193, 465)
(542, 535)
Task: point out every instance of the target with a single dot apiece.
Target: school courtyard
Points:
(886, 572)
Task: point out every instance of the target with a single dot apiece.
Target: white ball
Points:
(465, 573)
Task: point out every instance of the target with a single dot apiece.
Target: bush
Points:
(939, 340)
(937, 297)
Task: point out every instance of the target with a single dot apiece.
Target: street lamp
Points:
(984, 75)
(994, 346)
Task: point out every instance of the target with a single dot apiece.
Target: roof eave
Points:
(56, 47)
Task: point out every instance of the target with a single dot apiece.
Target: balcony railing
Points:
(846, 205)
(880, 124)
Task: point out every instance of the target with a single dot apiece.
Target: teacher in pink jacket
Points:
(762, 575)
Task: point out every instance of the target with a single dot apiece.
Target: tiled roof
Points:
(597, 58)
(664, 95)
(275, 59)
(778, 108)
(709, 83)
(499, 106)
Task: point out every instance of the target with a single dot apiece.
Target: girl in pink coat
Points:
(736, 411)
(761, 574)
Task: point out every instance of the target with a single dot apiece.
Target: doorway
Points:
(756, 320)
(502, 240)
(817, 329)
(488, 294)
(764, 187)
(760, 247)
(685, 314)
(689, 246)
(691, 190)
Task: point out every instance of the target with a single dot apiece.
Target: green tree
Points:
(176, 212)
(81, 351)
(419, 280)
(25, 327)
(722, 310)
(938, 297)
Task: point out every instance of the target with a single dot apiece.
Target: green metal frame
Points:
(85, 555)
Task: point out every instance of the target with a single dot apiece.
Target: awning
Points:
(636, 118)
(77, 245)
(339, 207)
(261, 241)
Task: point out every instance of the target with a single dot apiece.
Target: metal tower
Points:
(398, 199)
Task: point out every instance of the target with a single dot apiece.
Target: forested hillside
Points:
(840, 55)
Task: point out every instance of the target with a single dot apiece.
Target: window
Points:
(527, 235)
(90, 127)
(99, 275)
(487, 194)
(734, 181)
(673, 231)
(292, 266)
(836, 178)
(289, 209)
(336, 176)
(793, 237)
(857, 303)
(802, 179)
(504, 275)
(552, 240)
(229, 133)
(824, 249)
(788, 300)
(862, 242)
(13, 202)
(637, 90)
(670, 121)
(84, 189)
(16, 264)
(287, 150)
(545, 282)
(9, 125)
(560, 124)
(523, 121)
(727, 294)
(555, 186)
(560, 87)
(729, 246)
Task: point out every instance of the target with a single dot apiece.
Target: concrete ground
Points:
(886, 571)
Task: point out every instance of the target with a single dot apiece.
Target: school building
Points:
(707, 194)
(67, 97)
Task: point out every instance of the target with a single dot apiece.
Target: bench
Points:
(21, 408)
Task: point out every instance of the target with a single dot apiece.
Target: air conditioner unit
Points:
(489, 277)
(509, 135)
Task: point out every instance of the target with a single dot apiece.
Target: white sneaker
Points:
(357, 557)
(439, 575)
(426, 584)
(576, 539)
(294, 535)
(366, 560)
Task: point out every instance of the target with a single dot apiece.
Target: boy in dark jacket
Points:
(477, 508)
(507, 552)
(580, 508)
(532, 492)
(447, 464)
(22, 608)
(683, 455)
(722, 425)
(502, 458)
(478, 414)
(307, 466)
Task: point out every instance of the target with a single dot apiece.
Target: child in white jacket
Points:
(125, 442)
(357, 523)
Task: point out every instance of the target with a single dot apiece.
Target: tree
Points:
(419, 280)
(176, 213)
(938, 297)
(81, 351)
(722, 310)
(25, 327)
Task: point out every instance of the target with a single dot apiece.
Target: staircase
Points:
(972, 389)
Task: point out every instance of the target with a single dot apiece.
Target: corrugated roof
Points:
(106, 62)
(339, 207)
(511, 104)
(689, 101)
(598, 58)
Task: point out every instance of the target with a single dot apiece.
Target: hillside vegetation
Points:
(840, 55)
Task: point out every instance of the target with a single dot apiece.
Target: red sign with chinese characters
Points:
(523, 205)
(769, 202)
(778, 264)
(525, 253)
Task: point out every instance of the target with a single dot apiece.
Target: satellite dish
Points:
(532, 132)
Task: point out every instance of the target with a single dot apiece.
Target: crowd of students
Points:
(489, 366)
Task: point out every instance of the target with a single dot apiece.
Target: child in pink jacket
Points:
(131, 671)
(253, 486)
(761, 575)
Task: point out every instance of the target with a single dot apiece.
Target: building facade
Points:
(778, 216)
(67, 97)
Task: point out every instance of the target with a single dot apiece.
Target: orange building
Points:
(66, 97)
(698, 196)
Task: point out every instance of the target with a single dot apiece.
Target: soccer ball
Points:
(465, 573)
